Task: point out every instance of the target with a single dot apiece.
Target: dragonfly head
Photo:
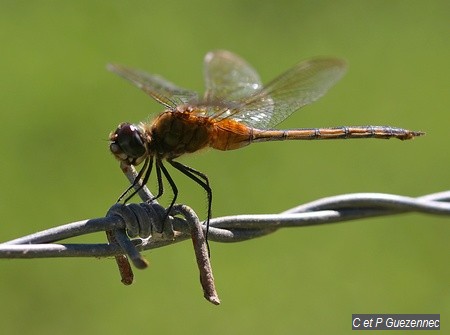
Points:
(128, 144)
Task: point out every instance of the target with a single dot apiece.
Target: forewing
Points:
(156, 86)
(228, 78)
(303, 84)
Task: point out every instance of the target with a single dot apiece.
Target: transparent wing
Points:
(303, 84)
(228, 78)
(157, 87)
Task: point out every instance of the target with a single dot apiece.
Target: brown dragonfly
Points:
(235, 110)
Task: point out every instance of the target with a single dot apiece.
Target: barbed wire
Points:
(143, 220)
(136, 227)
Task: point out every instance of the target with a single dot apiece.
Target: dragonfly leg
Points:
(201, 179)
(161, 168)
(159, 181)
(145, 169)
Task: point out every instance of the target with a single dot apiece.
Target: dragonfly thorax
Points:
(128, 144)
(174, 133)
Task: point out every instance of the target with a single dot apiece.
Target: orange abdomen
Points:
(229, 135)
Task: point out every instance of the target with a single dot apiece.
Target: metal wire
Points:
(142, 222)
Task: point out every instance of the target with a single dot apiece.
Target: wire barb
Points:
(201, 252)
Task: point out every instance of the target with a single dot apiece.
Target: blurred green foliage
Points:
(58, 105)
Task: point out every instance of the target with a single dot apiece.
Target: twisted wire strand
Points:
(144, 220)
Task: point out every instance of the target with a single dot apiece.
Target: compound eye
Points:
(130, 140)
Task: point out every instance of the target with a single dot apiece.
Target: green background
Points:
(58, 105)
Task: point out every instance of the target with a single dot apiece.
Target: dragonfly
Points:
(235, 111)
